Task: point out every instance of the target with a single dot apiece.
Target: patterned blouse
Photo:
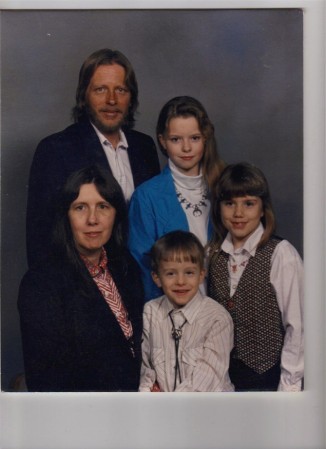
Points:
(104, 281)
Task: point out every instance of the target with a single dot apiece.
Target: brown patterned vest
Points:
(258, 330)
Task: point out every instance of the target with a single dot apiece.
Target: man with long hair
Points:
(104, 115)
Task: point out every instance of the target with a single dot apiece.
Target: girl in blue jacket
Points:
(178, 198)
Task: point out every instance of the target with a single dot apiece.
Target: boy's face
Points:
(179, 280)
(241, 217)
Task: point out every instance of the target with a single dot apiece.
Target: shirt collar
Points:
(123, 144)
(249, 246)
(189, 311)
(96, 269)
(187, 182)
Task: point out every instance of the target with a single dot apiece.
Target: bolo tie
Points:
(176, 335)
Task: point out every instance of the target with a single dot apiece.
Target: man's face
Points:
(108, 99)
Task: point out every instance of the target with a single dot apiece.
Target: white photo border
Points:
(205, 420)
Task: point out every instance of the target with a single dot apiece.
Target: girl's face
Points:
(184, 144)
(91, 219)
(241, 217)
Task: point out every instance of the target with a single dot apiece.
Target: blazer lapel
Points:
(94, 320)
(136, 163)
(92, 147)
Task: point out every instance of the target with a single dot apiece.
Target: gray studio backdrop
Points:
(245, 66)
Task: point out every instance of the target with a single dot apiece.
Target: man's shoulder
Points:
(70, 133)
(135, 133)
(73, 143)
(76, 130)
(137, 136)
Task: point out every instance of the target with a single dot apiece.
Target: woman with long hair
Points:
(81, 308)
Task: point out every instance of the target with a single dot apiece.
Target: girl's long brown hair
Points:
(185, 106)
(240, 180)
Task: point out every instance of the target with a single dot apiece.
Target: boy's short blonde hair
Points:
(177, 246)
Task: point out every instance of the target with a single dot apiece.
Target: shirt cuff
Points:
(144, 389)
(290, 388)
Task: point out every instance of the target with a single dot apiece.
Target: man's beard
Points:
(103, 127)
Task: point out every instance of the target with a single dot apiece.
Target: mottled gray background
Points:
(245, 66)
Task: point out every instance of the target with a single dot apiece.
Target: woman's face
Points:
(91, 219)
(184, 144)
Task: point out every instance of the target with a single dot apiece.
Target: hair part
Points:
(105, 56)
(239, 180)
(185, 106)
(177, 246)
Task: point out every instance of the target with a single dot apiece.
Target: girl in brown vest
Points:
(258, 278)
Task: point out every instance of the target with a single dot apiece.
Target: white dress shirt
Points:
(287, 279)
(204, 348)
(119, 162)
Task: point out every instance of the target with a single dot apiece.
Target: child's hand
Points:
(155, 388)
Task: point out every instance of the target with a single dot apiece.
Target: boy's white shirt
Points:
(204, 349)
(287, 279)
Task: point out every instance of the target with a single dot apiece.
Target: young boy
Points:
(187, 337)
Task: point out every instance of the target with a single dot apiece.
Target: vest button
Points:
(230, 304)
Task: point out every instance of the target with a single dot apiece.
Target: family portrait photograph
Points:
(162, 226)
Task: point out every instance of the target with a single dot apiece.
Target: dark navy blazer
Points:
(71, 339)
(60, 154)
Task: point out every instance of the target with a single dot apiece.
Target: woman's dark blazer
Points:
(71, 339)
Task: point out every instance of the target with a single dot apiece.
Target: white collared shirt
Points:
(119, 162)
(204, 347)
(286, 276)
